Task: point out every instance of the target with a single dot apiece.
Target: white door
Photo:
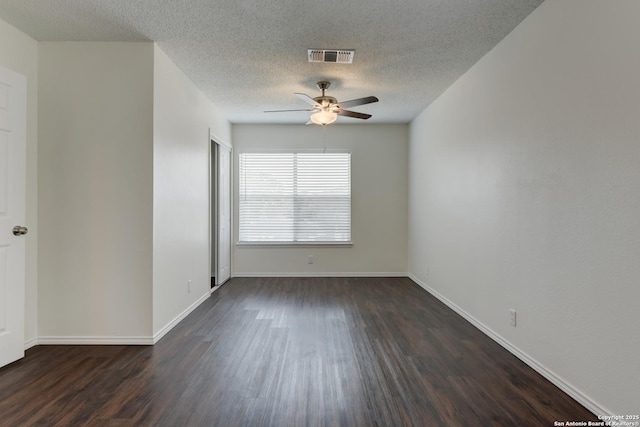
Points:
(13, 116)
(224, 214)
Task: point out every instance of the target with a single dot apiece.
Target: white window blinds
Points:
(295, 197)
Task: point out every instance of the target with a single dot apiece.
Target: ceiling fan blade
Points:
(284, 111)
(359, 101)
(307, 99)
(309, 123)
(353, 114)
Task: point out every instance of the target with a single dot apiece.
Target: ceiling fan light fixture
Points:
(323, 117)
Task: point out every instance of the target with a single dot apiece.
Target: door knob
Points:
(19, 230)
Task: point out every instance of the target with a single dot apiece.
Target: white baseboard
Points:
(30, 343)
(94, 340)
(555, 379)
(118, 340)
(162, 332)
(323, 274)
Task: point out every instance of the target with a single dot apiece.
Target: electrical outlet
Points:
(189, 286)
(310, 259)
(512, 317)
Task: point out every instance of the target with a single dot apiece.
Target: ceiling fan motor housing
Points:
(325, 101)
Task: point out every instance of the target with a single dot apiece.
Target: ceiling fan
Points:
(326, 109)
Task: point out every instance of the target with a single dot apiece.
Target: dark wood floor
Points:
(291, 352)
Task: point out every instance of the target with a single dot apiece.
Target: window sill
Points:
(293, 244)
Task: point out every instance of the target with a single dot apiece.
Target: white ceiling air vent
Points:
(337, 56)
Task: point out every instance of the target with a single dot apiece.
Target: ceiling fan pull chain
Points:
(324, 139)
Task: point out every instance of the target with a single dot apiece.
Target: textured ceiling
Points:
(248, 56)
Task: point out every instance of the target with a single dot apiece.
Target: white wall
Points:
(524, 194)
(19, 53)
(379, 201)
(182, 119)
(95, 190)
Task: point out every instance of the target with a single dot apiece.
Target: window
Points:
(295, 197)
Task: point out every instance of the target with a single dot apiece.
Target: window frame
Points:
(294, 244)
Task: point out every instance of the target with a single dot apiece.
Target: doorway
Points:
(220, 185)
